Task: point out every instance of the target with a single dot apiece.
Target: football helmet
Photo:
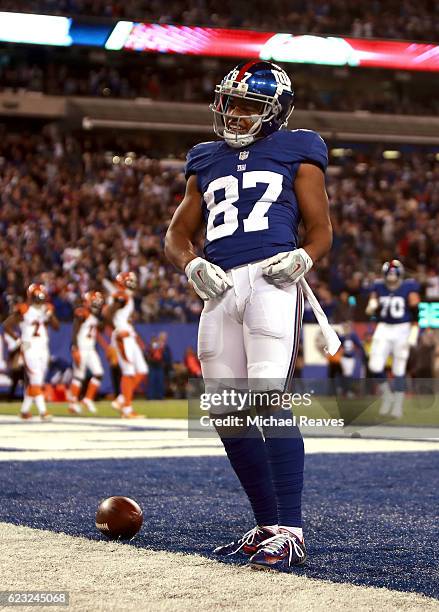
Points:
(94, 300)
(393, 273)
(37, 293)
(127, 280)
(268, 89)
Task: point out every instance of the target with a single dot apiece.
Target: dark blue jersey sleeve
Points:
(319, 152)
(413, 286)
(198, 158)
(306, 146)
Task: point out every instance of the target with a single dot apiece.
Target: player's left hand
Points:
(286, 269)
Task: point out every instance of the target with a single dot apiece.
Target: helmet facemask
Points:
(37, 295)
(235, 91)
(393, 280)
(393, 272)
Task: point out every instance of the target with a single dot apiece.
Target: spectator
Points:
(156, 363)
(192, 363)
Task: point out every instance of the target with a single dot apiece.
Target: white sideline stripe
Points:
(102, 576)
(109, 438)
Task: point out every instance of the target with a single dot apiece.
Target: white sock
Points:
(386, 398)
(273, 528)
(41, 403)
(398, 401)
(120, 399)
(297, 531)
(27, 404)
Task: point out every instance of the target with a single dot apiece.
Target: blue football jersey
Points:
(393, 305)
(248, 201)
(350, 344)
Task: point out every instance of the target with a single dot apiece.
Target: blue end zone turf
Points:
(370, 519)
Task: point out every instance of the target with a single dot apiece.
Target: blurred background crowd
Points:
(127, 75)
(73, 216)
(407, 19)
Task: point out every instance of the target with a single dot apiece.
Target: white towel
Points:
(332, 340)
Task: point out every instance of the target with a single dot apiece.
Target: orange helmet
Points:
(94, 300)
(127, 280)
(37, 293)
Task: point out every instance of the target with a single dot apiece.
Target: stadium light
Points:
(391, 154)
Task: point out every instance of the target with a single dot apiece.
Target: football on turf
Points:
(119, 518)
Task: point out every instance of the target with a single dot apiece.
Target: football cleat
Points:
(281, 552)
(132, 415)
(25, 416)
(248, 544)
(90, 405)
(74, 408)
(117, 404)
(45, 416)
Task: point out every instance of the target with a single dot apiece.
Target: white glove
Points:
(371, 307)
(413, 336)
(287, 268)
(208, 280)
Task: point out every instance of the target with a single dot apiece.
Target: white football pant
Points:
(90, 361)
(390, 340)
(36, 363)
(132, 362)
(252, 331)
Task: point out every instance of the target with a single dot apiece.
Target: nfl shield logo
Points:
(243, 155)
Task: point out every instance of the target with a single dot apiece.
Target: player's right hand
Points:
(372, 306)
(208, 279)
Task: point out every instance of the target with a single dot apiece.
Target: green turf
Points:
(165, 409)
(419, 411)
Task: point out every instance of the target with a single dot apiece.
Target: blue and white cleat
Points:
(248, 544)
(281, 552)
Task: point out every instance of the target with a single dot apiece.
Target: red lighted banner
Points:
(309, 49)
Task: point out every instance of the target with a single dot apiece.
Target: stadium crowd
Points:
(407, 19)
(181, 81)
(73, 218)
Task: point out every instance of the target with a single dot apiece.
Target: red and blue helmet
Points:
(259, 82)
(393, 273)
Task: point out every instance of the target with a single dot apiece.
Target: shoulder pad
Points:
(21, 308)
(413, 285)
(82, 312)
(197, 157)
(311, 147)
(120, 297)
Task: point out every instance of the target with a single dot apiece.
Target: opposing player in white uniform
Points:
(250, 190)
(119, 314)
(84, 354)
(32, 319)
(393, 302)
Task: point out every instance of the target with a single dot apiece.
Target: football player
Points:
(127, 343)
(350, 346)
(393, 301)
(251, 188)
(32, 318)
(84, 354)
